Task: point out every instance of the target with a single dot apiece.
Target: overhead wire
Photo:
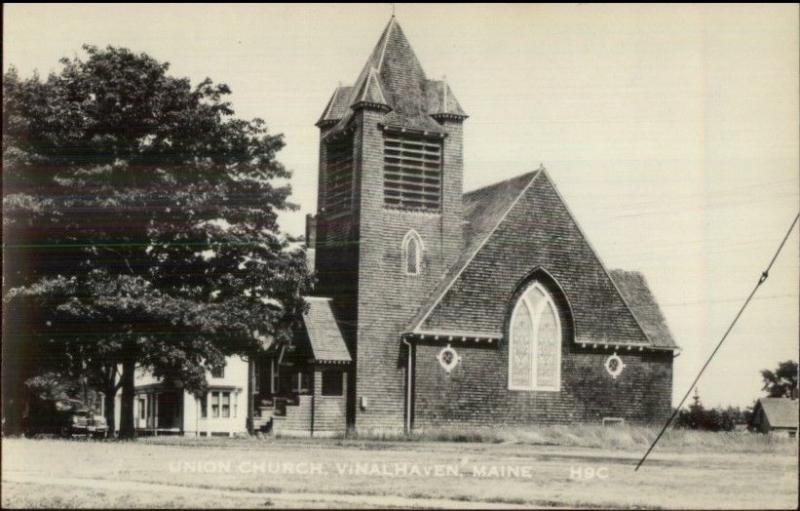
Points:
(762, 278)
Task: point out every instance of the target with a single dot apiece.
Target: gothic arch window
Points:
(534, 348)
(412, 250)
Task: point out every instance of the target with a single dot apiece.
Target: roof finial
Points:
(444, 91)
(392, 10)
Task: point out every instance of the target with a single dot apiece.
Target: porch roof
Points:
(324, 335)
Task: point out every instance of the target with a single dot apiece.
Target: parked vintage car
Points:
(64, 417)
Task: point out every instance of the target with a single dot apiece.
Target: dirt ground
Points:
(368, 474)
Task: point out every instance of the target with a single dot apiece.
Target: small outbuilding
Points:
(777, 415)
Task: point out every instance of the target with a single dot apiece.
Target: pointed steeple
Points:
(370, 93)
(336, 107)
(442, 103)
(393, 80)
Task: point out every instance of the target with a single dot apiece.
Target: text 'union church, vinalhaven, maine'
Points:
(434, 307)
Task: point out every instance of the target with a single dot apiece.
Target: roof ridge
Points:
(498, 183)
(535, 174)
(626, 271)
(388, 33)
(372, 78)
(332, 101)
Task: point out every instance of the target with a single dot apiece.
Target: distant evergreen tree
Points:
(698, 417)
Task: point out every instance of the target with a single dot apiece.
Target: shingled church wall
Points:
(538, 232)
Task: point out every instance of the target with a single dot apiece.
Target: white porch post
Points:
(155, 414)
(208, 414)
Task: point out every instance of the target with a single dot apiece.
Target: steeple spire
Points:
(386, 41)
(393, 80)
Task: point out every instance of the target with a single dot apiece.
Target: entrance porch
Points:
(300, 389)
(158, 411)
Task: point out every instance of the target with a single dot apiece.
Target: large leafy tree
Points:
(782, 381)
(139, 226)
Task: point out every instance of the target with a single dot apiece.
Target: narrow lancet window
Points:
(412, 253)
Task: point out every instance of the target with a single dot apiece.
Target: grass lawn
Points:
(251, 472)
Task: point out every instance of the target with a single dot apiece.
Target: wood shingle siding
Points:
(476, 391)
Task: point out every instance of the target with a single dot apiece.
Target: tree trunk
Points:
(126, 426)
(110, 405)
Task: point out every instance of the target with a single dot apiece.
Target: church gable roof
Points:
(484, 209)
(640, 299)
(534, 230)
(393, 76)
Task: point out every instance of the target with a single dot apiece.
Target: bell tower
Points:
(390, 166)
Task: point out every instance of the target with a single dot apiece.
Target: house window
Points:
(301, 383)
(534, 351)
(226, 404)
(332, 383)
(339, 175)
(203, 404)
(142, 407)
(218, 372)
(215, 404)
(412, 253)
(221, 405)
(412, 172)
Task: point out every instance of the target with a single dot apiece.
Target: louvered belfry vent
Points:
(412, 177)
(339, 176)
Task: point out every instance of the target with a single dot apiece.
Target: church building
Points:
(439, 308)
(487, 307)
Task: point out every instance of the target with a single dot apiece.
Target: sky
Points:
(670, 130)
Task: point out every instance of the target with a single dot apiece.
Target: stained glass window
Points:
(535, 342)
(521, 368)
(548, 346)
(411, 256)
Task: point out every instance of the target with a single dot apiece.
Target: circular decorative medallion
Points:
(448, 358)
(614, 365)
